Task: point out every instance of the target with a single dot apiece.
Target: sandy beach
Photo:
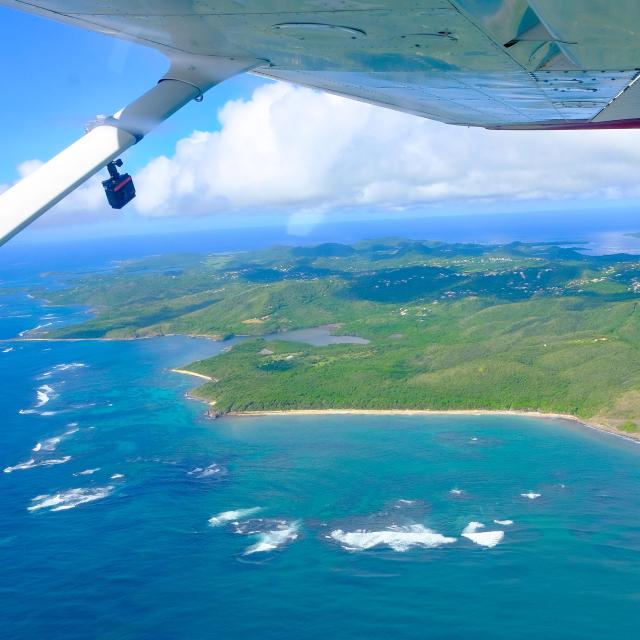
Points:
(597, 426)
(434, 412)
(193, 373)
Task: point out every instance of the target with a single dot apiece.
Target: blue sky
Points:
(57, 77)
(254, 152)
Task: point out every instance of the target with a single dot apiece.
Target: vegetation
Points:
(517, 326)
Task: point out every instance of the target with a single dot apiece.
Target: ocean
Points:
(128, 514)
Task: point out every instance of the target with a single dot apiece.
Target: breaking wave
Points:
(231, 516)
(29, 464)
(70, 365)
(504, 523)
(69, 499)
(87, 472)
(65, 366)
(40, 326)
(44, 394)
(483, 538)
(275, 538)
(210, 471)
(531, 495)
(32, 463)
(271, 533)
(395, 537)
(50, 444)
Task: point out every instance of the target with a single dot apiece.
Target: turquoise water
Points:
(143, 561)
(105, 529)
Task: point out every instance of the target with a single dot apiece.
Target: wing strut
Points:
(187, 79)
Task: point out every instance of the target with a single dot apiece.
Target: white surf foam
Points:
(396, 538)
(87, 472)
(117, 476)
(50, 444)
(69, 499)
(65, 366)
(43, 395)
(32, 463)
(483, 538)
(21, 465)
(231, 516)
(7, 350)
(272, 540)
(456, 492)
(40, 326)
(50, 461)
(504, 523)
(531, 495)
(70, 365)
(213, 469)
(25, 412)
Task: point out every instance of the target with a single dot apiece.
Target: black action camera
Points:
(119, 187)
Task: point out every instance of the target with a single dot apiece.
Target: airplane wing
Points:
(502, 64)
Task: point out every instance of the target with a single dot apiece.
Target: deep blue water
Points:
(106, 533)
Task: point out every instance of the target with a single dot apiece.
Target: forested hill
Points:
(522, 326)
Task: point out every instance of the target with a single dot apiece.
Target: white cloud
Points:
(28, 166)
(293, 149)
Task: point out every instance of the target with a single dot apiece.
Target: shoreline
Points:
(102, 339)
(596, 426)
(186, 372)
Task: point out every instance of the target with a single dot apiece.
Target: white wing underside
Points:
(490, 63)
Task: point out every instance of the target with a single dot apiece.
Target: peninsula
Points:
(515, 327)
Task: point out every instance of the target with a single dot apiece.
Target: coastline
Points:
(214, 338)
(186, 372)
(596, 426)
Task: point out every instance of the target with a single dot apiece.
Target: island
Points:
(527, 327)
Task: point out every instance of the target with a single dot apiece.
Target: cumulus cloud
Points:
(291, 147)
(28, 166)
(294, 149)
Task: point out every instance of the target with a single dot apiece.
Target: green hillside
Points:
(518, 326)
